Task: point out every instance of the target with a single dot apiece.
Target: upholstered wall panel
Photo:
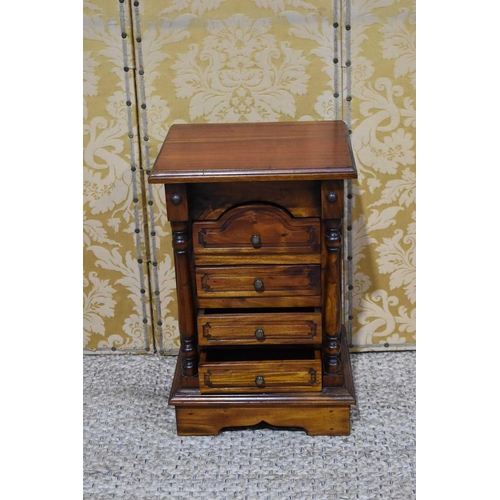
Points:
(379, 105)
(116, 277)
(252, 60)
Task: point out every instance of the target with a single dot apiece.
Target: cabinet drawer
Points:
(259, 286)
(260, 370)
(256, 230)
(258, 327)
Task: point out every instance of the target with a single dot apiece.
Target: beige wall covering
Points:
(150, 64)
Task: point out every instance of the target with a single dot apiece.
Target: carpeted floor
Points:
(132, 451)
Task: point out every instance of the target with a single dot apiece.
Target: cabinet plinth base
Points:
(325, 413)
(315, 421)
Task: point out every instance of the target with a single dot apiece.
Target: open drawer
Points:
(260, 370)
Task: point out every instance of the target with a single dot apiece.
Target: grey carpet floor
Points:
(131, 449)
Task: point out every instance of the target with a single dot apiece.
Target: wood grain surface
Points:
(240, 281)
(255, 230)
(259, 328)
(276, 375)
(208, 201)
(314, 420)
(228, 152)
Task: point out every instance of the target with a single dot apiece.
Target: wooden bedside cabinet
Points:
(256, 214)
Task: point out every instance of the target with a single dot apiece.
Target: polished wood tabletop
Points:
(255, 151)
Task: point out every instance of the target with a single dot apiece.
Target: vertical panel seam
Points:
(346, 105)
(134, 165)
(337, 73)
(337, 99)
(144, 140)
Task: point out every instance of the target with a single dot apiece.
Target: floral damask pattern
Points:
(150, 65)
(383, 124)
(116, 310)
(241, 73)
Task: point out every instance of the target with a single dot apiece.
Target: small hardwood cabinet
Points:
(256, 214)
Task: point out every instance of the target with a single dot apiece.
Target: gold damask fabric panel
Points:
(220, 61)
(116, 290)
(379, 106)
(253, 60)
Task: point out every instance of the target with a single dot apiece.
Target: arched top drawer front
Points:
(257, 229)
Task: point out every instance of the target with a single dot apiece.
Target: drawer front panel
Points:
(260, 376)
(258, 281)
(259, 328)
(256, 230)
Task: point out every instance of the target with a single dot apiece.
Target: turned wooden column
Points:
(178, 214)
(332, 212)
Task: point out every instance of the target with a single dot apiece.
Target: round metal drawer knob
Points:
(255, 239)
(259, 334)
(258, 284)
(259, 381)
(331, 197)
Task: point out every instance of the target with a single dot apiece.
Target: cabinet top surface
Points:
(255, 151)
